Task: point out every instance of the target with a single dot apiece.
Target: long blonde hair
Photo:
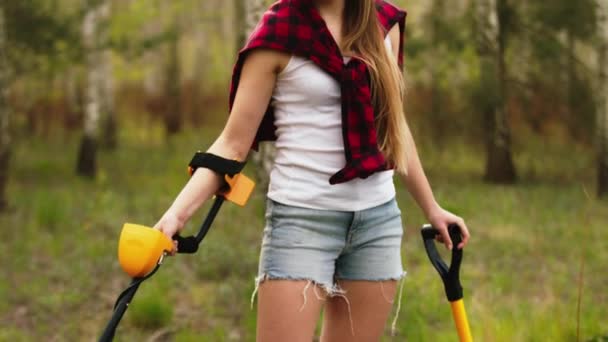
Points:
(363, 35)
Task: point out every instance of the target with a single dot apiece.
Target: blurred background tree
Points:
(495, 26)
(29, 51)
(98, 77)
(602, 100)
(567, 24)
(5, 137)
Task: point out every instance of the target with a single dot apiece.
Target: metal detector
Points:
(141, 249)
(450, 276)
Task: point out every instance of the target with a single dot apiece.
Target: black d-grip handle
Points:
(189, 245)
(186, 245)
(451, 275)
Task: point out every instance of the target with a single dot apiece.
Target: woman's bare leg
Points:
(370, 305)
(288, 310)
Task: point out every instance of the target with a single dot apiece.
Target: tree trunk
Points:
(602, 111)
(534, 117)
(87, 154)
(109, 137)
(199, 112)
(73, 96)
(492, 42)
(173, 115)
(439, 119)
(239, 13)
(5, 137)
(572, 116)
(253, 11)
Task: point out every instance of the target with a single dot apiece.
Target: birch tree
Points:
(109, 127)
(239, 12)
(492, 29)
(435, 16)
(173, 116)
(5, 138)
(91, 26)
(602, 112)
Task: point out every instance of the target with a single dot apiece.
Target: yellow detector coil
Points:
(140, 248)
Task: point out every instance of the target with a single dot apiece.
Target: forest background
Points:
(103, 102)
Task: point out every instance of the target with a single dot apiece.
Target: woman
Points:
(330, 71)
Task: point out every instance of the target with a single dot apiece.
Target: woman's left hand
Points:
(441, 219)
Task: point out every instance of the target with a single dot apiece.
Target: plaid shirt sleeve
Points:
(389, 15)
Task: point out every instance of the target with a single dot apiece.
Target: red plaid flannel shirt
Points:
(295, 27)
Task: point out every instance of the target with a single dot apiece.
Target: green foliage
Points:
(584, 102)
(36, 26)
(549, 75)
(42, 35)
(578, 18)
(12, 334)
(151, 310)
(50, 213)
(127, 25)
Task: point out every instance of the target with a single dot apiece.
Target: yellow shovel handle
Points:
(460, 318)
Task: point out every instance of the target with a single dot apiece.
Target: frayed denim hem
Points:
(331, 290)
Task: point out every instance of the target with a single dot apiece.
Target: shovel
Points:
(450, 276)
(141, 249)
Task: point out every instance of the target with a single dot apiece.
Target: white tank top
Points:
(310, 149)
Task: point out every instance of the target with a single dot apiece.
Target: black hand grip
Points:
(449, 275)
(429, 233)
(190, 244)
(186, 245)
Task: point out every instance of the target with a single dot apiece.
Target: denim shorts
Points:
(324, 246)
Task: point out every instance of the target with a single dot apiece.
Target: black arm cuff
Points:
(218, 164)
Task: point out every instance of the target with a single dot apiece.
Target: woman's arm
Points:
(418, 186)
(256, 85)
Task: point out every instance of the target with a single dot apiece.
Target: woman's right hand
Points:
(170, 225)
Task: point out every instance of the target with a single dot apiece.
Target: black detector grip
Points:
(450, 275)
(186, 245)
(190, 244)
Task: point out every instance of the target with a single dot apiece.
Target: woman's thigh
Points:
(361, 313)
(288, 310)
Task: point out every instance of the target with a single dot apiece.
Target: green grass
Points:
(60, 275)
